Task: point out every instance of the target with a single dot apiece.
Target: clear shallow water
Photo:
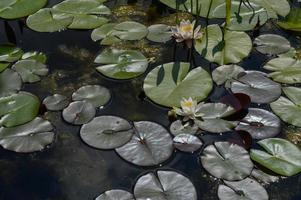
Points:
(71, 170)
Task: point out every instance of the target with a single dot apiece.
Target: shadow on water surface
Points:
(70, 169)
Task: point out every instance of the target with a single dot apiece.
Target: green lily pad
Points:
(79, 112)
(103, 32)
(121, 64)
(115, 195)
(272, 44)
(150, 145)
(245, 18)
(187, 143)
(177, 128)
(9, 53)
(34, 55)
(286, 68)
(227, 161)
(10, 82)
(292, 20)
(282, 7)
(129, 30)
(12, 9)
(18, 109)
(263, 177)
(164, 185)
(30, 70)
(107, 132)
(49, 20)
(3, 66)
(289, 110)
(56, 102)
(95, 94)
(159, 33)
(169, 83)
(280, 156)
(226, 73)
(87, 21)
(30, 137)
(244, 189)
(235, 46)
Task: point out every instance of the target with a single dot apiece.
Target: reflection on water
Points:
(71, 170)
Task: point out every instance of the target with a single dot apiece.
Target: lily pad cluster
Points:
(162, 184)
(72, 14)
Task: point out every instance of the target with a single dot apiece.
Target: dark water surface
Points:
(71, 170)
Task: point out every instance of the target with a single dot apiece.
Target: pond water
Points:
(70, 169)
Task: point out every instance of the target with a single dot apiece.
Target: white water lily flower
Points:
(185, 32)
(189, 109)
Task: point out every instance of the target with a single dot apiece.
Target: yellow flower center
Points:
(188, 104)
(186, 28)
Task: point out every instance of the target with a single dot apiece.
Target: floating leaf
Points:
(177, 128)
(226, 73)
(18, 109)
(48, 20)
(30, 137)
(272, 44)
(196, 83)
(286, 68)
(187, 142)
(56, 102)
(237, 45)
(115, 195)
(34, 55)
(9, 53)
(282, 7)
(150, 145)
(164, 185)
(3, 66)
(106, 132)
(292, 21)
(289, 110)
(13, 9)
(103, 32)
(10, 82)
(95, 94)
(260, 124)
(244, 17)
(121, 64)
(263, 177)
(159, 33)
(130, 30)
(256, 85)
(227, 161)
(280, 156)
(244, 189)
(79, 112)
(30, 70)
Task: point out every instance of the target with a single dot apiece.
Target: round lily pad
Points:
(292, 20)
(164, 185)
(95, 94)
(159, 33)
(79, 112)
(13, 9)
(169, 83)
(260, 88)
(121, 64)
(289, 110)
(263, 177)
(10, 53)
(107, 132)
(260, 124)
(34, 55)
(177, 128)
(56, 102)
(115, 195)
(30, 137)
(235, 46)
(18, 109)
(227, 161)
(226, 73)
(280, 156)
(103, 31)
(129, 30)
(30, 70)
(49, 20)
(10, 82)
(272, 44)
(244, 189)
(150, 145)
(187, 142)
